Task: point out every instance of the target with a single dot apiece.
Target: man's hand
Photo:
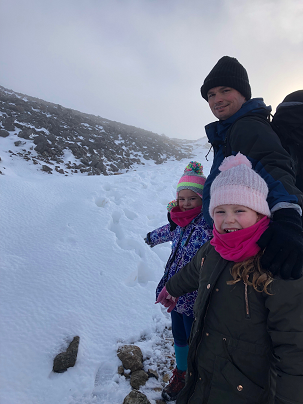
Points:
(283, 244)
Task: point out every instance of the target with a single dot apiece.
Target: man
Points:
(242, 126)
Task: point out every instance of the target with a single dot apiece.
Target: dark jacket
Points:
(245, 346)
(249, 132)
(186, 241)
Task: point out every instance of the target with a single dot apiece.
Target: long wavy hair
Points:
(251, 273)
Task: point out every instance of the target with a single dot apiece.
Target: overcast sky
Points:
(142, 62)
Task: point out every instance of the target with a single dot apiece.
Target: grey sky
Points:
(142, 62)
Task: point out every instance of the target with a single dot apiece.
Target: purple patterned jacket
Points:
(186, 241)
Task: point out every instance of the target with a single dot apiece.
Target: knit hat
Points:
(239, 184)
(230, 73)
(192, 178)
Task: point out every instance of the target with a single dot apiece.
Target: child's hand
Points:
(148, 241)
(167, 300)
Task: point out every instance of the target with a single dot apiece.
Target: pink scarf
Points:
(182, 219)
(241, 244)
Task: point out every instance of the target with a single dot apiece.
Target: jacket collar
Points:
(216, 131)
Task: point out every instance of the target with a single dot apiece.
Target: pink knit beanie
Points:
(239, 184)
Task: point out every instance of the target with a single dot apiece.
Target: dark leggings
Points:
(181, 327)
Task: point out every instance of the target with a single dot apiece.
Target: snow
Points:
(74, 262)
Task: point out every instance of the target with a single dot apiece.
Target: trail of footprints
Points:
(161, 355)
(140, 274)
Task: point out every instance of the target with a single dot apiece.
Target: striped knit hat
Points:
(192, 178)
(239, 184)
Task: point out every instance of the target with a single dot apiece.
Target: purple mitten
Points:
(167, 300)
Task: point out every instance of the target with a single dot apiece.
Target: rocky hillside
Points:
(60, 139)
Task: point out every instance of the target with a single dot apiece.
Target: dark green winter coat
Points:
(245, 346)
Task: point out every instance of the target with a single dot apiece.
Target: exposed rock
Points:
(152, 373)
(42, 144)
(8, 123)
(166, 377)
(136, 397)
(46, 169)
(18, 143)
(131, 357)
(25, 133)
(4, 133)
(99, 146)
(121, 370)
(138, 378)
(67, 359)
(59, 170)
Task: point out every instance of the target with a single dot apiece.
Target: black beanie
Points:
(230, 73)
(296, 96)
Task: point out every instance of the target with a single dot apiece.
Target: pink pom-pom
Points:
(234, 161)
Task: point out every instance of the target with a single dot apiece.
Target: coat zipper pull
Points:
(247, 312)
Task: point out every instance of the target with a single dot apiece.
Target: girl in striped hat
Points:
(187, 236)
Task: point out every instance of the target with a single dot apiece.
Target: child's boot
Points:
(175, 385)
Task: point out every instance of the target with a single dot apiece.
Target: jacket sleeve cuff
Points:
(286, 205)
(169, 290)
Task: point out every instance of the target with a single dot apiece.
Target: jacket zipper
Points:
(247, 311)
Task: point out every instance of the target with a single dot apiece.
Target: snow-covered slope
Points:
(63, 141)
(74, 262)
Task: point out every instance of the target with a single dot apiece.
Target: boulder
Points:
(8, 123)
(25, 133)
(136, 397)
(42, 144)
(47, 169)
(4, 133)
(67, 359)
(138, 378)
(131, 357)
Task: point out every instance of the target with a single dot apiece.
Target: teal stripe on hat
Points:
(190, 184)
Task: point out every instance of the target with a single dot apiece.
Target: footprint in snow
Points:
(141, 275)
(129, 214)
(101, 202)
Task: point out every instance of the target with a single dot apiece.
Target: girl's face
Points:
(188, 199)
(230, 218)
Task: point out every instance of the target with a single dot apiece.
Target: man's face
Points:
(224, 101)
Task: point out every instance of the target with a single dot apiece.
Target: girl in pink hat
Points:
(246, 343)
